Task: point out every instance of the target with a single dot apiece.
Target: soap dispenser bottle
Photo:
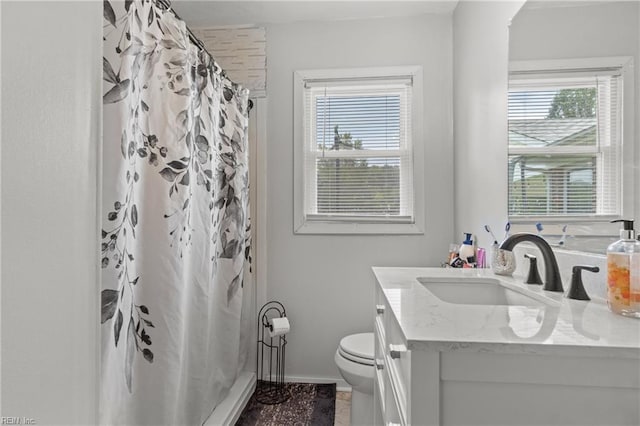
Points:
(467, 251)
(623, 272)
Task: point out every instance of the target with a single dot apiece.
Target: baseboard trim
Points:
(229, 410)
(341, 385)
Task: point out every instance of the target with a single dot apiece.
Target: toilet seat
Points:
(357, 348)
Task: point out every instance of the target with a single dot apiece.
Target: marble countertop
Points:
(557, 326)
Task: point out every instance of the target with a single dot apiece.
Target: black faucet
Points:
(553, 282)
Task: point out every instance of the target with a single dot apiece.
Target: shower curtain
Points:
(175, 237)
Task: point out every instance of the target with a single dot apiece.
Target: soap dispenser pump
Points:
(623, 272)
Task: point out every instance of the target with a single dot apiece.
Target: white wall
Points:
(50, 125)
(585, 31)
(326, 281)
(0, 212)
(480, 45)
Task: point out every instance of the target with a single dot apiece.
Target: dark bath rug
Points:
(310, 404)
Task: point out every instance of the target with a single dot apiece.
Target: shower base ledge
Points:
(228, 411)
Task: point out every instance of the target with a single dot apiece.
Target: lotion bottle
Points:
(623, 272)
(467, 252)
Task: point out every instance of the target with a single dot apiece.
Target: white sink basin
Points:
(476, 291)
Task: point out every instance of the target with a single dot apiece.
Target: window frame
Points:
(375, 225)
(589, 225)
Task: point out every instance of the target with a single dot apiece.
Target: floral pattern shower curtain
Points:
(175, 238)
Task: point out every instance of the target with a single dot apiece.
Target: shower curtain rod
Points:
(195, 40)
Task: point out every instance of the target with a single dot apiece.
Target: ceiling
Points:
(215, 13)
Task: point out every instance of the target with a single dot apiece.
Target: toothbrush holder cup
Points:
(503, 262)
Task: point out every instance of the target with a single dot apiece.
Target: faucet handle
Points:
(534, 275)
(576, 290)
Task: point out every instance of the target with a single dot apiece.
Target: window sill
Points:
(357, 228)
(575, 227)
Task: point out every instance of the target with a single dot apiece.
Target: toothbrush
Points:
(539, 228)
(564, 235)
(488, 229)
(507, 228)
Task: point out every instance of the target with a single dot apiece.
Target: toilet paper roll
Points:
(278, 326)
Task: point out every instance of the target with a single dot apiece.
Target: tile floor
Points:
(343, 408)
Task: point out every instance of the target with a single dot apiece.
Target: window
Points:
(565, 142)
(355, 157)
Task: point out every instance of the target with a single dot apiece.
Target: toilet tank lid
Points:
(360, 345)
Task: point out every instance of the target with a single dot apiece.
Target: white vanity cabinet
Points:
(406, 381)
(439, 366)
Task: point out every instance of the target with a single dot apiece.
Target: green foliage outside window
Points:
(574, 103)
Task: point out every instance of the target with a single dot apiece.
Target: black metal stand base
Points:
(270, 393)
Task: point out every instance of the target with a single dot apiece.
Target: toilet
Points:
(354, 358)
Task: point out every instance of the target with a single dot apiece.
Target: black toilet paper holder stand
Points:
(270, 386)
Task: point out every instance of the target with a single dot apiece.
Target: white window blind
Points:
(565, 144)
(357, 149)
